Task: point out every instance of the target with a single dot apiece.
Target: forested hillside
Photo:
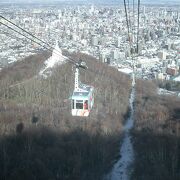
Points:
(39, 137)
(156, 134)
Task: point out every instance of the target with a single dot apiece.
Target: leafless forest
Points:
(39, 137)
(156, 134)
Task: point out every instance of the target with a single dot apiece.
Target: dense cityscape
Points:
(100, 31)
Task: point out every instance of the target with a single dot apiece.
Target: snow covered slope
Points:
(56, 59)
(122, 168)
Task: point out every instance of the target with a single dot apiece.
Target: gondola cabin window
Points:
(79, 104)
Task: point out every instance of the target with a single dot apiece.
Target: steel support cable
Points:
(68, 58)
(10, 35)
(25, 30)
(129, 16)
(130, 40)
(133, 30)
(71, 61)
(133, 33)
(34, 37)
(134, 23)
(127, 22)
(21, 34)
(138, 27)
(131, 24)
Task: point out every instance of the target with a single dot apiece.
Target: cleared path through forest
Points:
(122, 168)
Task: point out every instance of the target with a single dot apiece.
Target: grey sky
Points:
(82, 0)
(91, 1)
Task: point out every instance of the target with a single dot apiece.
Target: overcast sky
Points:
(105, 1)
(84, 0)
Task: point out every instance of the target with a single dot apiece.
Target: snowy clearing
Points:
(161, 91)
(56, 59)
(177, 79)
(122, 168)
(126, 70)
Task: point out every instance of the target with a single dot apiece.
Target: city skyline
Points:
(101, 32)
(87, 1)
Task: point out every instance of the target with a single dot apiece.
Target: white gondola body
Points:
(82, 99)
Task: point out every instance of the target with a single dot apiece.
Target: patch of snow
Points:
(177, 42)
(11, 60)
(56, 59)
(122, 169)
(177, 79)
(4, 53)
(126, 70)
(161, 91)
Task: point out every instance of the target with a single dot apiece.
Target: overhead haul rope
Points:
(134, 23)
(6, 33)
(133, 35)
(72, 61)
(44, 43)
(129, 16)
(40, 44)
(25, 31)
(131, 29)
(20, 33)
(138, 27)
(127, 21)
(31, 39)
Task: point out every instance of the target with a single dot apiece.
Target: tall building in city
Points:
(115, 54)
(118, 41)
(94, 40)
(162, 55)
(144, 10)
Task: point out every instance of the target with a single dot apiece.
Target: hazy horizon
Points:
(87, 1)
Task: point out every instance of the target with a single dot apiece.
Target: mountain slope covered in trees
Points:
(156, 134)
(39, 137)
